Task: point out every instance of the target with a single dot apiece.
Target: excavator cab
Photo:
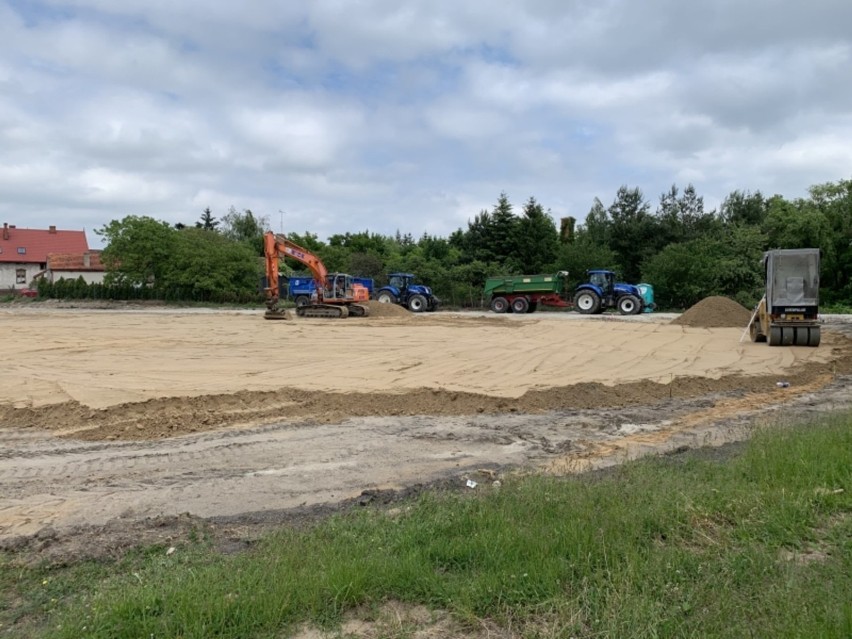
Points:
(341, 287)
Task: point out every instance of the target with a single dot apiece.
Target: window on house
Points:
(20, 276)
(22, 250)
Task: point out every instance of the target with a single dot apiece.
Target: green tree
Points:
(207, 222)
(491, 236)
(501, 238)
(536, 243)
(634, 232)
(582, 254)
(682, 217)
(210, 264)
(686, 272)
(137, 250)
(834, 200)
(797, 224)
(366, 265)
(245, 227)
(743, 208)
(597, 225)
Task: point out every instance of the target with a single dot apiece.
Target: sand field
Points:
(127, 415)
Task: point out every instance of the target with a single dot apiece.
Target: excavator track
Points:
(358, 310)
(327, 311)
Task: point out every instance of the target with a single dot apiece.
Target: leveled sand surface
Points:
(100, 359)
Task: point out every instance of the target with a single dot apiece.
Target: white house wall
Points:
(9, 275)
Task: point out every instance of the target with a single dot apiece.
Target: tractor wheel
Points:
(587, 302)
(302, 300)
(386, 297)
(417, 304)
(499, 305)
(629, 305)
(520, 305)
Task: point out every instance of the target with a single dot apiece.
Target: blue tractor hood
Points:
(626, 289)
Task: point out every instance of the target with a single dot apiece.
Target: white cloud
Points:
(410, 116)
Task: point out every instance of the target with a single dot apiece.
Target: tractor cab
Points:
(604, 281)
(400, 281)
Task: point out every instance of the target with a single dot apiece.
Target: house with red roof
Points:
(24, 252)
(71, 266)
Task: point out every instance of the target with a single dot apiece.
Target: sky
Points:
(334, 116)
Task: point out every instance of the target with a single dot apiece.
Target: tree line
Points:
(684, 251)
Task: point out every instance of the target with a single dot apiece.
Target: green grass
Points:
(759, 546)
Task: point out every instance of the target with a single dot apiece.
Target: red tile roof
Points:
(36, 244)
(88, 261)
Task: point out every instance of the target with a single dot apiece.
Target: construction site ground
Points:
(123, 425)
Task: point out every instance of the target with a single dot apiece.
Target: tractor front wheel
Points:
(629, 305)
(417, 304)
(587, 302)
(386, 297)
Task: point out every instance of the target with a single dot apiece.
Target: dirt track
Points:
(117, 420)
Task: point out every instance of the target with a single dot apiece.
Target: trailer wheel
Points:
(417, 303)
(587, 302)
(302, 300)
(386, 297)
(499, 305)
(520, 305)
(629, 305)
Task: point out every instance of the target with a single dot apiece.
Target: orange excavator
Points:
(336, 294)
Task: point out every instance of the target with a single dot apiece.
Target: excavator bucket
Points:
(278, 314)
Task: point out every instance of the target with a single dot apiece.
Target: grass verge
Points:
(759, 546)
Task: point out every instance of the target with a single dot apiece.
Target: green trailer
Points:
(523, 293)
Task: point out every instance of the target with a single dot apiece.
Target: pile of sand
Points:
(377, 309)
(715, 312)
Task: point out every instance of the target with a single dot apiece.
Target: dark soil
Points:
(715, 312)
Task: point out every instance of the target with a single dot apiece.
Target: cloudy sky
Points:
(332, 115)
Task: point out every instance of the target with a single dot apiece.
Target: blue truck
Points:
(301, 287)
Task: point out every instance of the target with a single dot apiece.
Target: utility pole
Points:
(281, 227)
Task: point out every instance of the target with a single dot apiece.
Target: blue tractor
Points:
(602, 292)
(402, 290)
